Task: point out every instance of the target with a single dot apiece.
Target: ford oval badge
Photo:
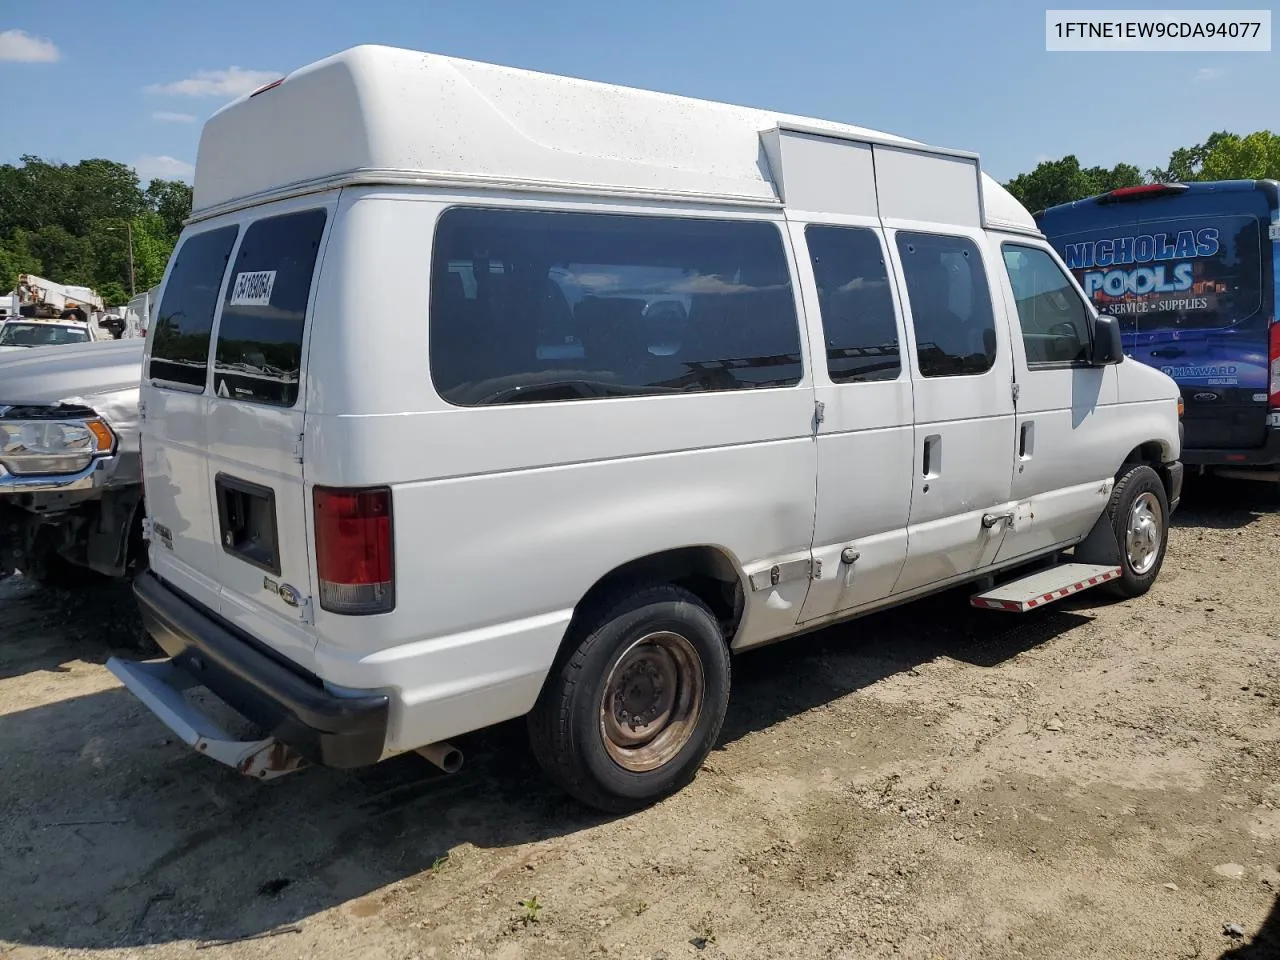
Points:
(290, 595)
(1206, 397)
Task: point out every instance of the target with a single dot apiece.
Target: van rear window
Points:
(1188, 273)
(533, 307)
(180, 345)
(259, 352)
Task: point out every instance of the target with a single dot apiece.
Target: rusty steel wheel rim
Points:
(652, 701)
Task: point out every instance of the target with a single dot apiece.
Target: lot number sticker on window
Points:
(253, 289)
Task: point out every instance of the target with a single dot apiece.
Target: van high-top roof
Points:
(375, 114)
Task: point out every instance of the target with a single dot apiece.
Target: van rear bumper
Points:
(1267, 455)
(292, 706)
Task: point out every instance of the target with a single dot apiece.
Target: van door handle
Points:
(1027, 440)
(932, 459)
(989, 520)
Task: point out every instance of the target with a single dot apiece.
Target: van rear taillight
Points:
(1145, 191)
(1273, 357)
(354, 550)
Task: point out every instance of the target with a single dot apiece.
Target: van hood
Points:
(73, 372)
(1140, 383)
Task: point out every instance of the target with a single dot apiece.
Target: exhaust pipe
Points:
(444, 755)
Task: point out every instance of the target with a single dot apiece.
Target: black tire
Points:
(137, 560)
(1135, 483)
(567, 727)
(59, 574)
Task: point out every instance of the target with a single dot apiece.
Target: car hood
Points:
(73, 372)
(104, 376)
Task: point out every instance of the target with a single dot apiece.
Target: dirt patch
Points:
(1093, 780)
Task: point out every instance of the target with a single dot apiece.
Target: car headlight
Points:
(30, 447)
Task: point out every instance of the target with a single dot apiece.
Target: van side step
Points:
(1044, 587)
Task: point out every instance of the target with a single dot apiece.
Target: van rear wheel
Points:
(630, 712)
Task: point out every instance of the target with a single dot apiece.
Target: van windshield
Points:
(1194, 273)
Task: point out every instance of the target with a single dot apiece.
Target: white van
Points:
(476, 393)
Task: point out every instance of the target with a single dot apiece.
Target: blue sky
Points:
(132, 80)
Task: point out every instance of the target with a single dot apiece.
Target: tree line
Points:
(71, 223)
(1223, 156)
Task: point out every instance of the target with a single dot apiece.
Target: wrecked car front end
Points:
(70, 465)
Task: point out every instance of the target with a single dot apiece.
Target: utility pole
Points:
(128, 225)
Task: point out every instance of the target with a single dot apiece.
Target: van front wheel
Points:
(1139, 512)
(632, 710)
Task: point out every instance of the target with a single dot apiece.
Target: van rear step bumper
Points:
(159, 684)
(294, 709)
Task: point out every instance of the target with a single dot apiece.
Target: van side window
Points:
(1054, 320)
(950, 304)
(259, 351)
(180, 345)
(859, 326)
(533, 307)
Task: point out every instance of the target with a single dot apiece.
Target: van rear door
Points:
(184, 542)
(254, 427)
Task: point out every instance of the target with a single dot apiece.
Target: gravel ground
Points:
(1092, 780)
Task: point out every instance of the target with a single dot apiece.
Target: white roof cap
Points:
(1003, 209)
(384, 114)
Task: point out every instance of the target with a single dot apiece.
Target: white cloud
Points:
(1207, 75)
(166, 116)
(1042, 158)
(165, 168)
(231, 83)
(21, 47)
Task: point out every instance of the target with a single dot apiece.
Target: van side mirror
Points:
(1108, 348)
